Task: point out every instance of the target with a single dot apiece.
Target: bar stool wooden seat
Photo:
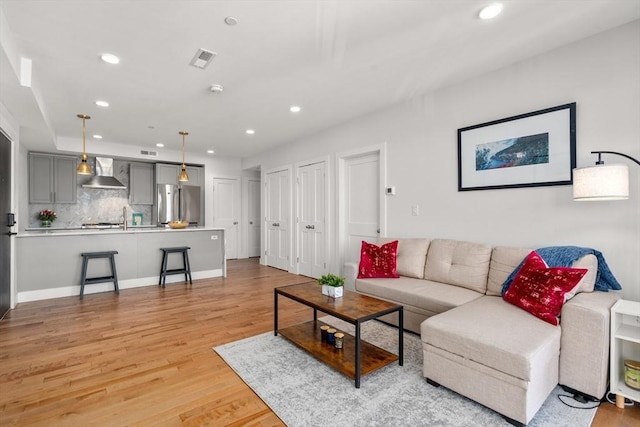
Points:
(84, 280)
(186, 267)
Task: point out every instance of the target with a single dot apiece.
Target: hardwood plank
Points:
(144, 358)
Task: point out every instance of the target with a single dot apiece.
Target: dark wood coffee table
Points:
(357, 357)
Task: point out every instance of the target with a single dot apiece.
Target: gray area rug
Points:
(303, 391)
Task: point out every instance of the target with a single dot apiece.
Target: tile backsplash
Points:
(93, 204)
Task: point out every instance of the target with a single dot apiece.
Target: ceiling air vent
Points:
(202, 58)
(149, 153)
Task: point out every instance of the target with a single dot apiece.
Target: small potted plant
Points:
(47, 217)
(332, 285)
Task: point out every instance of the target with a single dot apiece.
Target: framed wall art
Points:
(528, 150)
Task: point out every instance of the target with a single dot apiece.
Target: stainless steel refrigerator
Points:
(179, 203)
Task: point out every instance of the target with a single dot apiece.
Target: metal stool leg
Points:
(163, 269)
(83, 275)
(114, 274)
(187, 267)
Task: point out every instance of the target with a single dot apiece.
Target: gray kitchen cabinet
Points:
(52, 178)
(141, 184)
(168, 174)
(196, 175)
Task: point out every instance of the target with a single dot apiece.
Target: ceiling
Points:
(336, 59)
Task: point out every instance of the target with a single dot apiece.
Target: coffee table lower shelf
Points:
(307, 337)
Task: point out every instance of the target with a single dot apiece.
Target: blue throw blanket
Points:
(564, 256)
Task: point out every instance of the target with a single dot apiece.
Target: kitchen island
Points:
(49, 263)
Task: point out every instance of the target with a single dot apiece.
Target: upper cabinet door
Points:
(167, 174)
(65, 179)
(40, 178)
(141, 184)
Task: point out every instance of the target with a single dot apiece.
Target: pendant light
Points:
(184, 176)
(83, 167)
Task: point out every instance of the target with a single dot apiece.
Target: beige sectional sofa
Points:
(482, 347)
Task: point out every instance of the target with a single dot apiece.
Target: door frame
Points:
(7, 130)
(263, 209)
(327, 209)
(341, 160)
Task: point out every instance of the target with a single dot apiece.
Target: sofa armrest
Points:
(350, 273)
(584, 345)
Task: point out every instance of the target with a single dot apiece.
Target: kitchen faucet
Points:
(124, 218)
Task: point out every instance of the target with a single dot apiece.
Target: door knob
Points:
(250, 222)
(312, 227)
(235, 222)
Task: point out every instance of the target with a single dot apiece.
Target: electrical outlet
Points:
(415, 210)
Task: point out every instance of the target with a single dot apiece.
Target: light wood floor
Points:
(144, 358)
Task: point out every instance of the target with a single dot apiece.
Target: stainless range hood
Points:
(104, 176)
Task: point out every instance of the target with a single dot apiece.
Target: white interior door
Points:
(226, 212)
(362, 203)
(277, 219)
(311, 219)
(254, 227)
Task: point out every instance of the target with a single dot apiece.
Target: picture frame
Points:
(136, 218)
(528, 150)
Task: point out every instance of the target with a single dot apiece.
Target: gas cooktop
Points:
(102, 225)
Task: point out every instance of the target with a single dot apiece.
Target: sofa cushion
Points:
(542, 291)
(432, 297)
(590, 262)
(458, 263)
(496, 334)
(412, 255)
(503, 261)
(378, 261)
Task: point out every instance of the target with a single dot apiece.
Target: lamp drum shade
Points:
(601, 182)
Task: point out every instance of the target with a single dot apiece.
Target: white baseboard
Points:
(74, 290)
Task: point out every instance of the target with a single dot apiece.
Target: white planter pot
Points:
(332, 291)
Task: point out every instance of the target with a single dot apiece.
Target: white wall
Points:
(601, 74)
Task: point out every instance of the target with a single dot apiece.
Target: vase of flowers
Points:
(332, 285)
(46, 217)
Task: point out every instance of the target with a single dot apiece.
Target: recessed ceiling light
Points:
(295, 108)
(490, 11)
(216, 88)
(230, 20)
(250, 131)
(210, 151)
(110, 58)
(101, 103)
(159, 144)
(97, 136)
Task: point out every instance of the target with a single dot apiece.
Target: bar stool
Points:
(186, 267)
(84, 280)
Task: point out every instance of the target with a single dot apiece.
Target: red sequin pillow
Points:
(378, 261)
(542, 290)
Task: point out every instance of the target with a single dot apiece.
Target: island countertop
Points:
(75, 231)
(48, 263)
